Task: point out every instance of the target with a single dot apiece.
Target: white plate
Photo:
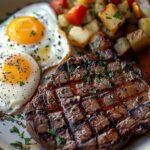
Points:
(6, 137)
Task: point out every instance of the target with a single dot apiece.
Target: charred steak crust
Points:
(92, 102)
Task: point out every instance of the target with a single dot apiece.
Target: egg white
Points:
(54, 46)
(13, 96)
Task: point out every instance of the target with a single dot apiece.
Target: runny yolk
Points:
(15, 69)
(25, 30)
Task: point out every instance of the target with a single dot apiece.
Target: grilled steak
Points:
(91, 102)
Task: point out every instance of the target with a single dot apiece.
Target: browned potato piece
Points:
(93, 26)
(99, 6)
(144, 24)
(138, 39)
(79, 36)
(100, 42)
(62, 21)
(122, 46)
(111, 17)
(124, 9)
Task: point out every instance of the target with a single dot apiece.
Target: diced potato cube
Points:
(79, 36)
(144, 24)
(93, 26)
(138, 39)
(124, 9)
(111, 17)
(62, 21)
(99, 6)
(122, 46)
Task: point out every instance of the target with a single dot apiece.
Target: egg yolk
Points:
(25, 30)
(15, 69)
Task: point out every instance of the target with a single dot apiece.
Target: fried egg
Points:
(34, 30)
(19, 78)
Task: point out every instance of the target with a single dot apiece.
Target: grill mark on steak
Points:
(95, 101)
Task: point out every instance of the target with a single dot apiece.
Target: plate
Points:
(7, 126)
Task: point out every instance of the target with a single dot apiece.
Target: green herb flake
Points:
(97, 77)
(27, 141)
(60, 140)
(14, 130)
(18, 145)
(33, 33)
(47, 78)
(117, 15)
(94, 91)
(20, 116)
(52, 132)
(8, 118)
(24, 126)
(102, 63)
(108, 74)
(107, 17)
(21, 83)
(21, 134)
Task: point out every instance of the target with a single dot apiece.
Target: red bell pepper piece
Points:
(76, 15)
(116, 2)
(130, 2)
(59, 6)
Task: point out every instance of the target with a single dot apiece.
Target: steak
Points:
(91, 102)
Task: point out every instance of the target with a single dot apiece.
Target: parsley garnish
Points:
(107, 17)
(60, 140)
(52, 132)
(12, 119)
(27, 141)
(117, 15)
(8, 118)
(108, 74)
(21, 134)
(20, 116)
(33, 33)
(47, 78)
(94, 91)
(102, 63)
(97, 77)
(19, 146)
(22, 83)
(14, 130)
